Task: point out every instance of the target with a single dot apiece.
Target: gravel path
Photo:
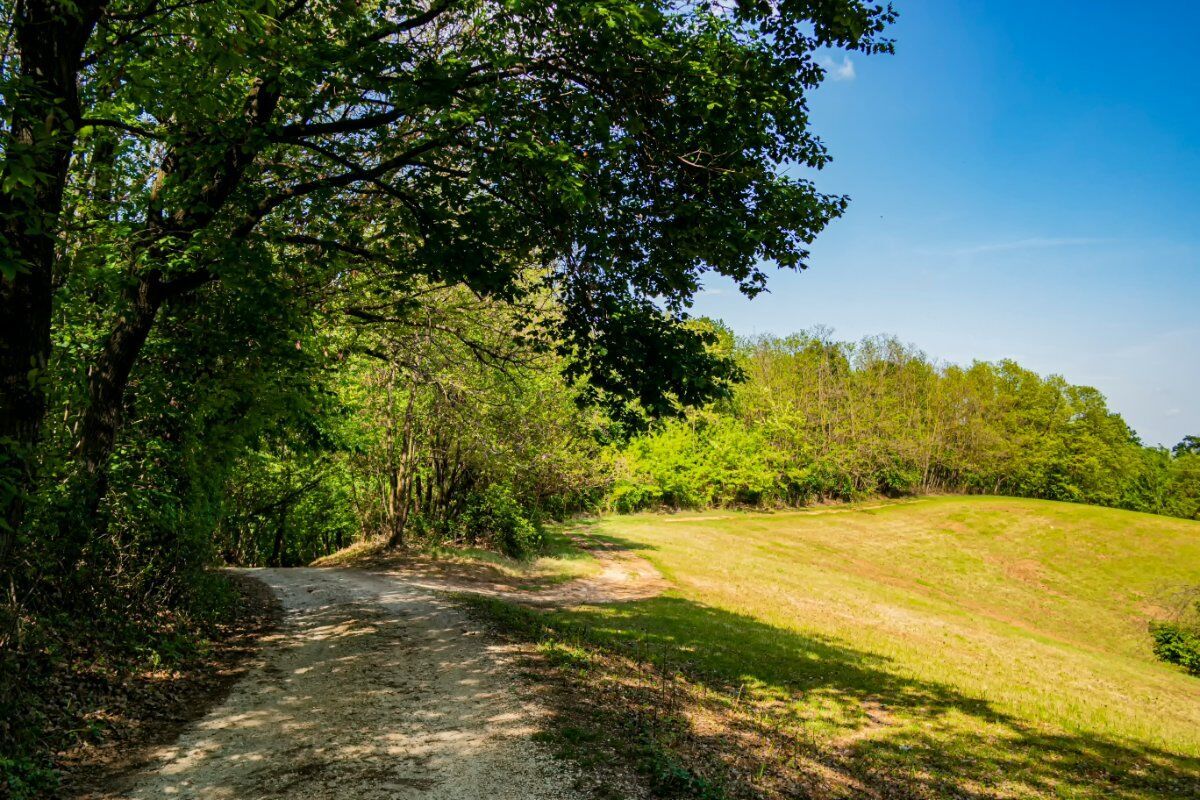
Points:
(372, 688)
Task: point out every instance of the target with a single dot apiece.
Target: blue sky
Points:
(1025, 183)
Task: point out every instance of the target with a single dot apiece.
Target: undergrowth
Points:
(1177, 640)
(71, 677)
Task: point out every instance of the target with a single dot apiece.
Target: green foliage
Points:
(707, 460)
(495, 517)
(1177, 638)
(22, 778)
(274, 276)
(819, 420)
(1177, 643)
(670, 777)
(1189, 445)
(1180, 486)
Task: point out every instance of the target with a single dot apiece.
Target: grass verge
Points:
(617, 717)
(560, 560)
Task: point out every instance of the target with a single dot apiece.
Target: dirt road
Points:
(372, 688)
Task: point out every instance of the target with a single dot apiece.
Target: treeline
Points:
(819, 419)
(442, 428)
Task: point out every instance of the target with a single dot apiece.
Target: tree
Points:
(1189, 444)
(626, 148)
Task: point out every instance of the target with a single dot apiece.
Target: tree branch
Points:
(119, 125)
(334, 182)
(412, 23)
(290, 133)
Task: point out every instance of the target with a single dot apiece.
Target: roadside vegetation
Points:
(948, 647)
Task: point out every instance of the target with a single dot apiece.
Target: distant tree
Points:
(1188, 445)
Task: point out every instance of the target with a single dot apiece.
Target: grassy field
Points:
(959, 646)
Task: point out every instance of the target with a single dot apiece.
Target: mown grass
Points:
(967, 646)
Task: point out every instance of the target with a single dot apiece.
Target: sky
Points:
(1025, 183)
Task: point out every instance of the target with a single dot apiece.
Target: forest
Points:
(279, 277)
(451, 439)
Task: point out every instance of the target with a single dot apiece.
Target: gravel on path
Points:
(372, 688)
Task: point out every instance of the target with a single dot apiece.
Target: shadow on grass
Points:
(586, 533)
(897, 736)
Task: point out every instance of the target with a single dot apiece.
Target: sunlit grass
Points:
(992, 645)
(1039, 607)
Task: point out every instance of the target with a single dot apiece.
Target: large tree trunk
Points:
(107, 382)
(44, 112)
(24, 346)
(405, 471)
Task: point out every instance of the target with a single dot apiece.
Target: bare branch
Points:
(412, 23)
(289, 133)
(334, 182)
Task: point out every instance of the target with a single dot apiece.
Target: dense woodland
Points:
(415, 448)
(812, 420)
(819, 419)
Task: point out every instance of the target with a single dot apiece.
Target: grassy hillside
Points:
(964, 646)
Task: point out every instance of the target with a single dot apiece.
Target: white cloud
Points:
(839, 72)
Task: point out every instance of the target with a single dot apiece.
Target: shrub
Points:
(495, 517)
(1177, 643)
(628, 496)
(22, 778)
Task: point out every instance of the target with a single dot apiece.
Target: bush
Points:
(22, 778)
(495, 517)
(627, 496)
(1177, 643)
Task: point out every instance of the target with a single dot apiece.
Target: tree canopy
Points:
(220, 219)
(621, 149)
(821, 419)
